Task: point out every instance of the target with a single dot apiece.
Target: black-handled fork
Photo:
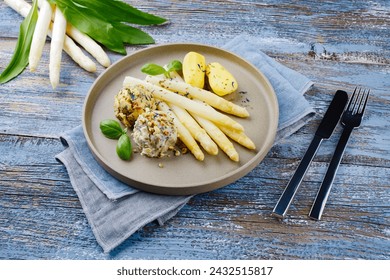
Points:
(352, 118)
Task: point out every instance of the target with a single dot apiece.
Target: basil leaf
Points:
(19, 60)
(123, 147)
(153, 69)
(174, 65)
(111, 129)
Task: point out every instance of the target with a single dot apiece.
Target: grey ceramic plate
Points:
(184, 174)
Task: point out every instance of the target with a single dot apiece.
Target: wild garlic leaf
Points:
(19, 60)
(84, 19)
(132, 35)
(104, 21)
(119, 11)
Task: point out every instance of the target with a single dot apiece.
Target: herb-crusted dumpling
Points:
(154, 134)
(132, 101)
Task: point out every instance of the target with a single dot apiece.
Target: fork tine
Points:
(352, 101)
(358, 100)
(363, 102)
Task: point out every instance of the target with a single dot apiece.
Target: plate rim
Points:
(188, 188)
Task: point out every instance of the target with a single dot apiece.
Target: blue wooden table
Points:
(337, 44)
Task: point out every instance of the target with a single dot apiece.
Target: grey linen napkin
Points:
(115, 210)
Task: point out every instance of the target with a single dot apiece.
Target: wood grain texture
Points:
(41, 216)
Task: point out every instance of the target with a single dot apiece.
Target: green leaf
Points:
(87, 22)
(131, 35)
(19, 60)
(153, 69)
(123, 147)
(104, 21)
(111, 129)
(174, 65)
(119, 11)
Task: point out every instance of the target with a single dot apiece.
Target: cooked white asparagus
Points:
(174, 76)
(70, 47)
(183, 133)
(219, 137)
(201, 94)
(56, 46)
(188, 104)
(40, 34)
(238, 136)
(196, 131)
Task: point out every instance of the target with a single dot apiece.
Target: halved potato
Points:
(194, 67)
(221, 81)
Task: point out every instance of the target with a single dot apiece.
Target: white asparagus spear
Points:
(196, 131)
(89, 45)
(77, 54)
(219, 137)
(201, 94)
(70, 47)
(56, 46)
(19, 6)
(40, 34)
(183, 133)
(188, 104)
(239, 136)
(86, 42)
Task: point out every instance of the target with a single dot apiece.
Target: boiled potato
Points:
(194, 67)
(221, 81)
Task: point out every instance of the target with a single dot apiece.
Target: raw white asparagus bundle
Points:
(52, 23)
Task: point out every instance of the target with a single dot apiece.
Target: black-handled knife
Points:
(324, 131)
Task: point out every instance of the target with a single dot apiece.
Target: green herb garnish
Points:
(113, 130)
(123, 147)
(19, 60)
(155, 69)
(104, 21)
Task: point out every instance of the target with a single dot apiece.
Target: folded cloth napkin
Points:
(115, 210)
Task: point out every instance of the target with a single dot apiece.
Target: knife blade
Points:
(324, 131)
